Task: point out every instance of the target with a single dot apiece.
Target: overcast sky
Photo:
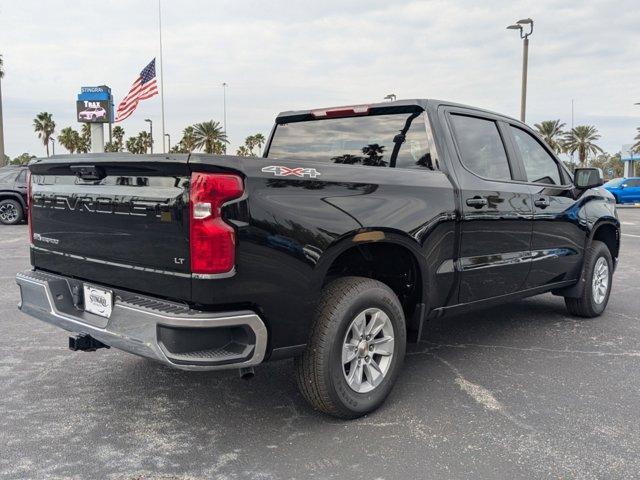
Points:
(282, 55)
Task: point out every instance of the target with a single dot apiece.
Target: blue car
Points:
(626, 190)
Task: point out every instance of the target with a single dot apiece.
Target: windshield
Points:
(614, 182)
(367, 140)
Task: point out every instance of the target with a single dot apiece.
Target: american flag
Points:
(144, 87)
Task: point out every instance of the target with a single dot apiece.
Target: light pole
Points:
(391, 97)
(224, 111)
(150, 131)
(168, 141)
(53, 146)
(524, 35)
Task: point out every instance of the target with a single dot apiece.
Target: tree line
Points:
(209, 137)
(582, 140)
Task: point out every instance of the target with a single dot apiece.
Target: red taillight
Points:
(29, 220)
(349, 111)
(212, 240)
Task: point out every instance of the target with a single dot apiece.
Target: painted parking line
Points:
(630, 235)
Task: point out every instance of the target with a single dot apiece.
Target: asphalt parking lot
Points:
(519, 391)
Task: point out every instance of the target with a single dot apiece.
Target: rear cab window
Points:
(383, 140)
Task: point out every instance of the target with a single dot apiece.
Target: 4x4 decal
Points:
(280, 171)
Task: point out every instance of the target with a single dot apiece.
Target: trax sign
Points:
(93, 111)
(95, 105)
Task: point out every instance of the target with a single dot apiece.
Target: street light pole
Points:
(224, 111)
(150, 131)
(168, 141)
(53, 146)
(525, 60)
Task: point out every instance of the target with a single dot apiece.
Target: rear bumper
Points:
(169, 332)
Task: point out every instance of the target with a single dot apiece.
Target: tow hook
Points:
(247, 373)
(85, 343)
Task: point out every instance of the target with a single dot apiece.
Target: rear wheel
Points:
(356, 348)
(597, 278)
(10, 212)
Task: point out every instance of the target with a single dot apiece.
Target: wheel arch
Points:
(8, 195)
(391, 257)
(608, 232)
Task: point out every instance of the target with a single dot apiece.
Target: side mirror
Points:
(624, 185)
(585, 178)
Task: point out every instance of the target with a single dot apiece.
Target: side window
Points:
(22, 178)
(538, 164)
(481, 147)
(414, 152)
(633, 183)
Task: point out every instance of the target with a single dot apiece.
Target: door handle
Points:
(477, 202)
(541, 202)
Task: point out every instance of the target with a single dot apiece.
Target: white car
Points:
(92, 113)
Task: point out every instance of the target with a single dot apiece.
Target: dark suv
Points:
(13, 194)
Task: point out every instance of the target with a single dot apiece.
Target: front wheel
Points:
(597, 279)
(356, 348)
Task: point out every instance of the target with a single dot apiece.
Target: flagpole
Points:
(161, 75)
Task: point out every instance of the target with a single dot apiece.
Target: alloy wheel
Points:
(600, 280)
(367, 350)
(8, 213)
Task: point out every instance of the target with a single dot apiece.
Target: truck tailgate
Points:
(117, 220)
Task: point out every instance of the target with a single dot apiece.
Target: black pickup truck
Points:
(356, 226)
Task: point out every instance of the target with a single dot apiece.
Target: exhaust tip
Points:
(247, 373)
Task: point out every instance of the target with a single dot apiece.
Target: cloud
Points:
(283, 55)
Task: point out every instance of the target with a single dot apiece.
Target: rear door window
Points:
(481, 148)
(367, 140)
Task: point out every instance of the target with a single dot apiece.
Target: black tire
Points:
(319, 370)
(616, 199)
(586, 305)
(11, 212)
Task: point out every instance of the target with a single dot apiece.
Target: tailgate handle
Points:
(88, 172)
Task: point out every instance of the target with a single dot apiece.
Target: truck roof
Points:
(417, 102)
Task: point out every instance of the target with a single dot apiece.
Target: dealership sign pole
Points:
(94, 106)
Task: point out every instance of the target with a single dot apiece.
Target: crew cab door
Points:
(559, 236)
(496, 211)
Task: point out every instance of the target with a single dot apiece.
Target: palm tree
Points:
(2, 157)
(85, 138)
(132, 145)
(206, 134)
(118, 135)
(582, 139)
(636, 146)
(188, 141)
(44, 126)
(259, 140)
(69, 139)
(144, 141)
(551, 132)
(243, 151)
